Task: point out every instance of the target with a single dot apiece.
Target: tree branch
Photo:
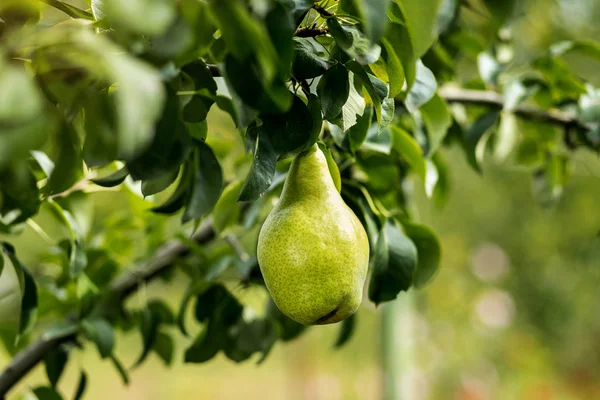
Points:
(120, 288)
(493, 99)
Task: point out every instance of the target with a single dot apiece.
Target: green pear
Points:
(313, 251)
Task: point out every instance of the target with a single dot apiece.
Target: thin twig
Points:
(494, 99)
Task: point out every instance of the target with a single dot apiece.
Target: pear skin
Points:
(313, 251)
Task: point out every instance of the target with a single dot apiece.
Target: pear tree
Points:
(145, 141)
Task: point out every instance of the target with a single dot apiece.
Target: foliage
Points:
(115, 97)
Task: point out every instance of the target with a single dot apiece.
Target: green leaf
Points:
(159, 183)
(217, 306)
(332, 166)
(20, 198)
(346, 331)
(207, 184)
(144, 17)
(357, 134)
(395, 71)
(23, 123)
(351, 111)
(149, 324)
(81, 386)
(421, 20)
(164, 346)
(46, 393)
(76, 250)
(245, 36)
(29, 304)
(68, 168)
(169, 147)
(112, 180)
(423, 89)
(247, 338)
(308, 62)
(262, 171)
(249, 85)
(333, 90)
(227, 211)
(290, 131)
(378, 141)
(178, 198)
(100, 332)
(393, 264)
(194, 289)
(372, 13)
(398, 45)
(120, 369)
(55, 362)
(409, 149)
(437, 119)
(429, 253)
(474, 135)
(353, 42)
(376, 89)
(281, 27)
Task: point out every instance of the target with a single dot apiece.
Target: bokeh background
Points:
(514, 312)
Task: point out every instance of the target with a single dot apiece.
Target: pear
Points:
(313, 251)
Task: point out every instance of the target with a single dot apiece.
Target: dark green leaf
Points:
(262, 171)
(159, 183)
(393, 265)
(169, 147)
(29, 304)
(500, 10)
(194, 289)
(314, 108)
(164, 347)
(357, 134)
(55, 362)
(120, 369)
(333, 90)
(474, 135)
(100, 332)
(68, 167)
(247, 338)
(429, 252)
(149, 324)
(290, 131)
(112, 180)
(207, 183)
(248, 84)
(353, 42)
(281, 27)
(376, 88)
(177, 200)
(346, 331)
(19, 194)
(46, 393)
(81, 386)
(245, 36)
(372, 13)
(161, 311)
(308, 62)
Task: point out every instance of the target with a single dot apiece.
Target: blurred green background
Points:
(514, 312)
